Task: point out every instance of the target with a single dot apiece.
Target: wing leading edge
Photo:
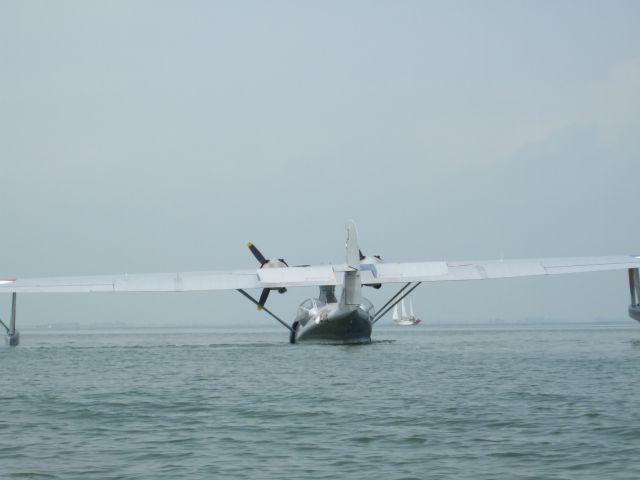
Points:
(318, 275)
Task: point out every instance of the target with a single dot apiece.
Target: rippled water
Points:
(420, 402)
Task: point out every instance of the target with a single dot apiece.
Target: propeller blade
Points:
(256, 253)
(263, 298)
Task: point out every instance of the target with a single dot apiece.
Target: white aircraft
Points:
(325, 319)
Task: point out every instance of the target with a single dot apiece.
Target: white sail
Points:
(400, 314)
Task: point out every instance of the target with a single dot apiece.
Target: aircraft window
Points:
(304, 308)
(312, 303)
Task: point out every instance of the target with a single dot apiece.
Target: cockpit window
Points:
(312, 303)
(309, 305)
(367, 306)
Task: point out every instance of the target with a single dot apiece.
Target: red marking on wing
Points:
(7, 280)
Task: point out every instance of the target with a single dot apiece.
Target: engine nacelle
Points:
(371, 260)
(278, 263)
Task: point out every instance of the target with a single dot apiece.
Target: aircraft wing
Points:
(178, 281)
(490, 269)
(371, 274)
(148, 282)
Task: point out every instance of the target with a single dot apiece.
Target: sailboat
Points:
(401, 317)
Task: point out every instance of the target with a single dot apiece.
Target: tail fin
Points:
(352, 291)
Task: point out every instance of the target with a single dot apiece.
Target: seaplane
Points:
(326, 318)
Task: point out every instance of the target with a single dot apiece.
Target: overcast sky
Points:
(142, 136)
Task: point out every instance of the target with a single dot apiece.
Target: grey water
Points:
(477, 402)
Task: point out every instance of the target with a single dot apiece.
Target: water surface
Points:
(420, 402)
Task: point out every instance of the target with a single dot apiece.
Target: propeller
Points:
(267, 263)
(263, 298)
(256, 253)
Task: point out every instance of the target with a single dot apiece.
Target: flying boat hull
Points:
(350, 327)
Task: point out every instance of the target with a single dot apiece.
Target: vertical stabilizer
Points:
(353, 251)
(352, 292)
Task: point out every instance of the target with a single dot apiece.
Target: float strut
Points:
(392, 299)
(253, 300)
(382, 314)
(13, 336)
(634, 290)
(634, 286)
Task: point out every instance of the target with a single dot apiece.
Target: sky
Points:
(151, 136)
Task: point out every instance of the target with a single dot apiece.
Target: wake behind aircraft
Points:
(325, 319)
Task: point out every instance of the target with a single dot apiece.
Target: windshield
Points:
(309, 308)
(367, 306)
